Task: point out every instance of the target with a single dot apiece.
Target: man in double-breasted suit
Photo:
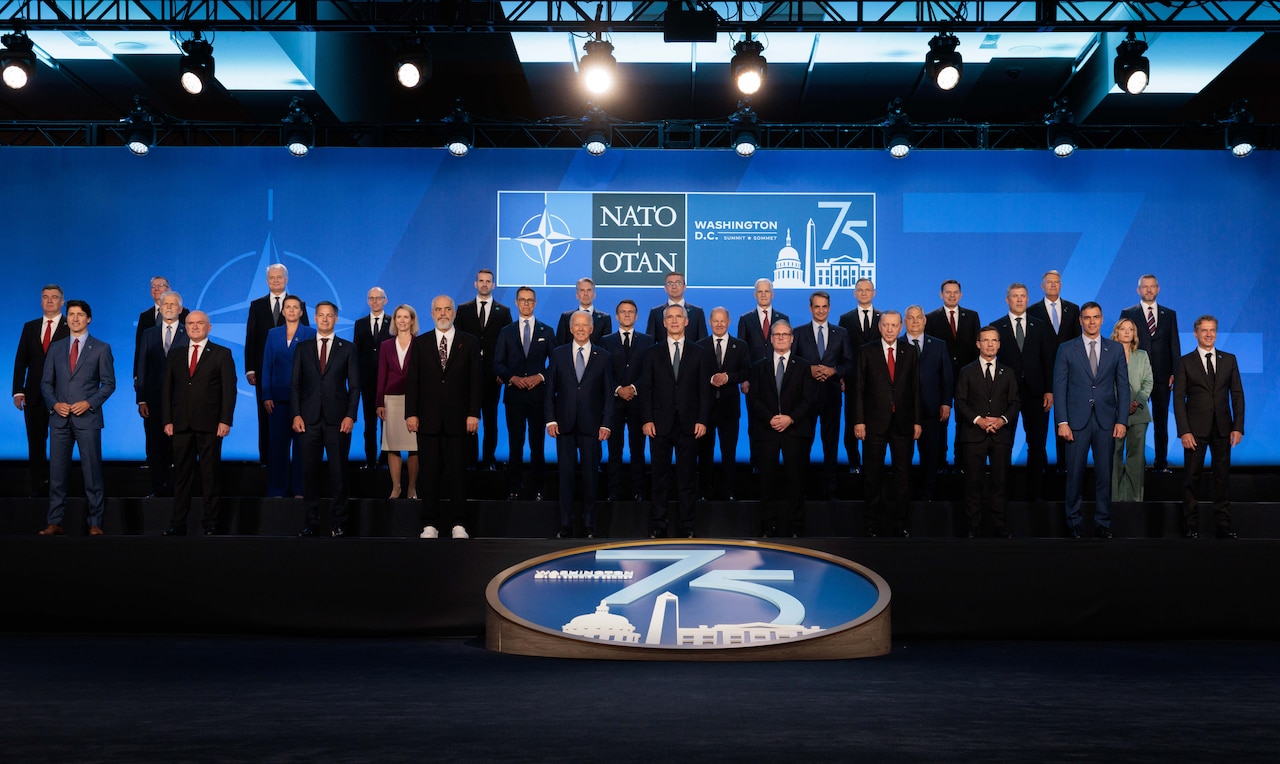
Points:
(987, 406)
(887, 415)
(150, 365)
(520, 362)
(1091, 410)
(578, 410)
(483, 318)
(601, 323)
(28, 367)
(199, 401)
(324, 393)
(1028, 347)
(368, 334)
(675, 404)
(442, 405)
(863, 325)
(730, 367)
(1158, 335)
(830, 355)
(937, 389)
(627, 350)
(79, 376)
(1208, 406)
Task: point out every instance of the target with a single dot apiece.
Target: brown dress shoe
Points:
(52, 530)
(95, 530)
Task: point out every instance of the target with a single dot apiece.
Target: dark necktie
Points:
(675, 363)
(444, 352)
(777, 377)
(168, 337)
(1093, 357)
(1151, 321)
(1208, 366)
(275, 312)
(1018, 333)
(580, 366)
(990, 378)
(866, 322)
(483, 317)
(324, 355)
(377, 327)
(953, 323)
(719, 351)
(822, 342)
(916, 342)
(528, 337)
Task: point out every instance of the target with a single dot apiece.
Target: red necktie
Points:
(195, 354)
(766, 326)
(75, 353)
(953, 323)
(324, 354)
(48, 333)
(892, 366)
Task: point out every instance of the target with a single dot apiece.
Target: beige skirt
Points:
(395, 435)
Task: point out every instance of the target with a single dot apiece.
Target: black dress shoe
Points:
(873, 533)
(769, 532)
(537, 496)
(1075, 533)
(730, 497)
(1003, 533)
(211, 531)
(1191, 534)
(974, 533)
(1102, 532)
(1226, 533)
(175, 530)
(338, 531)
(513, 496)
(904, 533)
(564, 533)
(658, 534)
(307, 532)
(688, 534)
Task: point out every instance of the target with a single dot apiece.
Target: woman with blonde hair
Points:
(1130, 457)
(393, 371)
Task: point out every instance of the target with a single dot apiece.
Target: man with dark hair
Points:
(958, 327)
(520, 361)
(627, 350)
(862, 323)
(483, 318)
(829, 353)
(986, 412)
(601, 324)
(28, 367)
(1158, 336)
(1028, 348)
(675, 285)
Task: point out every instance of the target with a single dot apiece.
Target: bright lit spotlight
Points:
(1132, 68)
(596, 132)
(139, 128)
(943, 64)
(413, 65)
(897, 131)
(195, 69)
(299, 131)
(17, 60)
(459, 136)
(598, 66)
(744, 133)
(1242, 136)
(1063, 136)
(748, 67)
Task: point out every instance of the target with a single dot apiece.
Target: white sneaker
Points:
(429, 532)
(459, 532)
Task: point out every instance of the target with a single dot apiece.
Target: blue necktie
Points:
(528, 336)
(1053, 313)
(168, 337)
(1093, 357)
(822, 343)
(777, 378)
(581, 364)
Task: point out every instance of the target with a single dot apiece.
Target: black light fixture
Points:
(943, 64)
(596, 132)
(195, 69)
(139, 128)
(744, 132)
(748, 67)
(17, 60)
(459, 135)
(299, 130)
(413, 65)
(897, 131)
(1242, 136)
(1132, 68)
(1063, 136)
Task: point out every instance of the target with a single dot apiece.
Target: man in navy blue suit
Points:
(675, 286)
(829, 353)
(731, 368)
(1091, 409)
(937, 389)
(1029, 346)
(753, 326)
(520, 361)
(79, 376)
(150, 366)
(369, 332)
(627, 350)
(601, 324)
(1158, 335)
(862, 323)
(578, 408)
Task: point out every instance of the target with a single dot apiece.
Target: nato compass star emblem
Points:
(545, 239)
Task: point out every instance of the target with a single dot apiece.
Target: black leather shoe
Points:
(688, 534)
(873, 533)
(338, 531)
(1191, 534)
(1226, 533)
(657, 534)
(1003, 533)
(1102, 532)
(730, 497)
(211, 531)
(768, 533)
(974, 533)
(564, 533)
(1075, 533)
(537, 496)
(175, 530)
(307, 532)
(513, 496)
(904, 533)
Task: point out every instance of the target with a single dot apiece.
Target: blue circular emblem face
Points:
(689, 595)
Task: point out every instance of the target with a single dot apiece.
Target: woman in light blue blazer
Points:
(1131, 458)
(284, 456)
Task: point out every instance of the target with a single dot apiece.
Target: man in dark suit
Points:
(937, 389)
(324, 393)
(1064, 317)
(484, 317)
(151, 316)
(753, 326)
(675, 286)
(731, 368)
(627, 350)
(1091, 410)
(150, 366)
(1028, 347)
(1208, 406)
(829, 353)
(199, 398)
(782, 398)
(675, 404)
(863, 325)
(887, 415)
(28, 367)
(578, 408)
(601, 324)
(987, 406)
(520, 362)
(442, 405)
(369, 333)
(79, 375)
(1158, 335)
(958, 327)
(265, 315)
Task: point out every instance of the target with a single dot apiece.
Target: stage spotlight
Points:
(744, 133)
(195, 69)
(459, 136)
(1132, 68)
(897, 131)
(598, 66)
(1242, 136)
(299, 131)
(413, 65)
(943, 64)
(17, 60)
(596, 135)
(1063, 136)
(748, 67)
(139, 128)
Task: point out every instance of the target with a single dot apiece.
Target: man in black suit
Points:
(484, 317)
(28, 367)
(827, 349)
(675, 286)
(369, 333)
(675, 404)
(731, 369)
(150, 367)
(151, 316)
(958, 327)
(937, 389)
(601, 324)
(887, 414)
(199, 401)
(578, 409)
(753, 326)
(627, 350)
(987, 406)
(1208, 406)
(442, 405)
(325, 398)
(1158, 335)
(862, 323)
(782, 398)
(1064, 317)
(520, 362)
(265, 315)
(1028, 348)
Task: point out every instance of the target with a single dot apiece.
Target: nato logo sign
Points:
(689, 600)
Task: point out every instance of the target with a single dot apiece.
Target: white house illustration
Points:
(665, 628)
(791, 272)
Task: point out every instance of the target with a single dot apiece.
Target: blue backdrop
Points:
(101, 222)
